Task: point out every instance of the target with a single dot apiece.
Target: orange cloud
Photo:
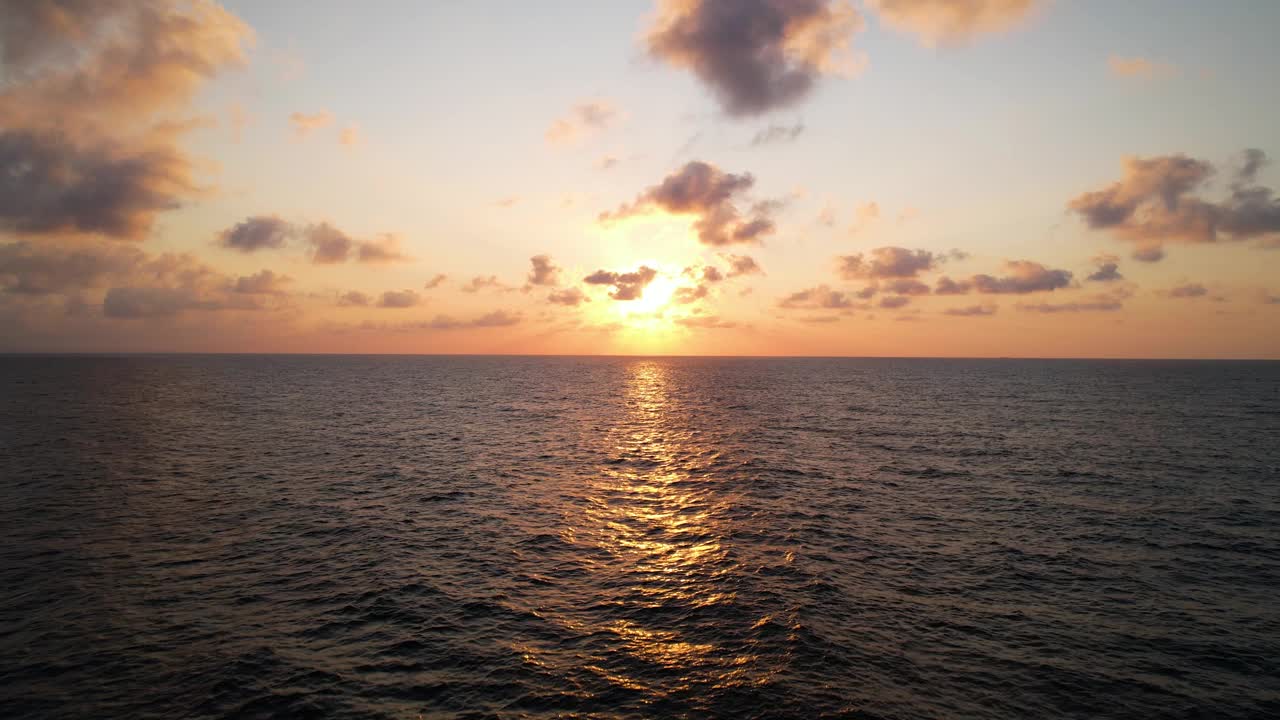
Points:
(1137, 67)
(303, 124)
(942, 22)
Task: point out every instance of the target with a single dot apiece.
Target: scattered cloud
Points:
(264, 282)
(711, 196)
(607, 162)
(740, 265)
(581, 119)
(383, 249)
(756, 55)
(508, 201)
(497, 318)
(436, 281)
(950, 22)
(350, 136)
(626, 286)
(686, 295)
(259, 232)
(480, 282)
(887, 262)
(398, 299)
(1108, 270)
(354, 298)
(544, 272)
(894, 302)
(329, 245)
(1154, 203)
(303, 124)
(1073, 307)
(571, 297)
(777, 134)
(1023, 277)
(821, 297)
(971, 311)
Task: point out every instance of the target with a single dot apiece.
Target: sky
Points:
(975, 178)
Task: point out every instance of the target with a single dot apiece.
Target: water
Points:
(546, 537)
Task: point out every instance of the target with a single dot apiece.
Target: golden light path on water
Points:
(657, 540)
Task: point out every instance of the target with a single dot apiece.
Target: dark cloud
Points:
(712, 274)
(971, 311)
(51, 185)
(30, 269)
(1190, 290)
(497, 318)
(626, 286)
(329, 245)
(777, 134)
(821, 297)
(1155, 203)
(754, 55)
(264, 282)
(686, 295)
(1024, 277)
(887, 262)
(571, 297)
(354, 298)
(939, 22)
(383, 249)
(893, 302)
(544, 272)
(398, 299)
(707, 322)
(1106, 272)
(436, 281)
(259, 232)
(710, 195)
(159, 302)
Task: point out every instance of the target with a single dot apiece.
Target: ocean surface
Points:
(404, 537)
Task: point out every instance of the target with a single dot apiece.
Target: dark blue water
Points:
(570, 537)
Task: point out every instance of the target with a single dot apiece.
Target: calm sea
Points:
(289, 536)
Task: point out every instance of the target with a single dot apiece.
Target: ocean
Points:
(510, 537)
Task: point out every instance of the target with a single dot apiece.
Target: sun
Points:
(656, 295)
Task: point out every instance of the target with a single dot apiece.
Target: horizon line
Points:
(162, 353)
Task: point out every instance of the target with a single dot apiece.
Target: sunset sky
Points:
(723, 177)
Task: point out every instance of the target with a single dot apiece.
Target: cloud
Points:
(398, 299)
(354, 298)
(777, 134)
(264, 282)
(480, 282)
(50, 185)
(1107, 271)
(755, 55)
(740, 265)
(1138, 67)
(571, 297)
(303, 124)
(608, 162)
(383, 249)
(710, 195)
(626, 286)
(942, 22)
(971, 311)
(30, 269)
(887, 262)
(350, 136)
(894, 302)
(152, 302)
(821, 297)
(329, 245)
(1154, 203)
(1074, 307)
(581, 119)
(905, 286)
(101, 66)
(1024, 277)
(436, 281)
(1189, 290)
(258, 232)
(507, 202)
(544, 272)
(706, 322)
(497, 318)
(686, 295)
